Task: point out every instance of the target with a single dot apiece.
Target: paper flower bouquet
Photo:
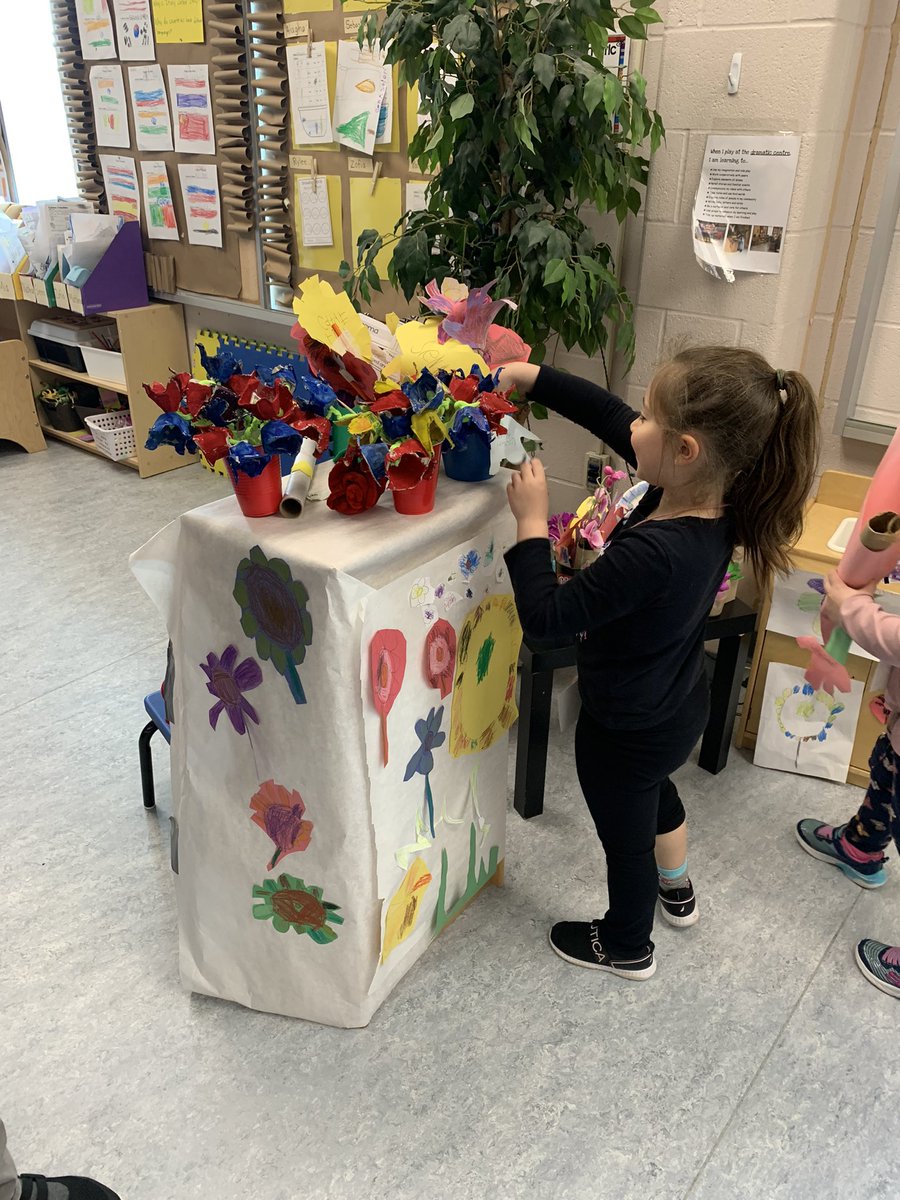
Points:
(388, 400)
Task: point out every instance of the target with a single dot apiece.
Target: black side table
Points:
(732, 629)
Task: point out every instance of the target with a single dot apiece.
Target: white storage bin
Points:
(113, 434)
(104, 364)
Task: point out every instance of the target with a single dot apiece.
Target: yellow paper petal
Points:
(428, 428)
(392, 321)
(403, 910)
(330, 318)
(422, 350)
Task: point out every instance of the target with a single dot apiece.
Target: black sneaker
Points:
(73, 1187)
(578, 942)
(679, 905)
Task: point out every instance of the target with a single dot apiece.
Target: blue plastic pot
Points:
(469, 461)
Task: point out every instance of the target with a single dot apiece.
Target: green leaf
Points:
(632, 27)
(641, 3)
(344, 270)
(648, 16)
(613, 96)
(462, 34)
(593, 92)
(561, 103)
(544, 69)
(568, 283)
(554, 271)
(539, 412)
(436, 138)
(462, 106)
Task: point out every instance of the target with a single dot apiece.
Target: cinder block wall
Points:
(809, 67)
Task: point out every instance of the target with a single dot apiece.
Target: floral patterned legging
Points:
(878, 819)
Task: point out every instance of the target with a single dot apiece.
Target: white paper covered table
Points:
(309, 875)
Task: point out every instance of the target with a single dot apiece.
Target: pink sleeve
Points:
(873, 628)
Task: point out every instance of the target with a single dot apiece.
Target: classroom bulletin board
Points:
(248, 190)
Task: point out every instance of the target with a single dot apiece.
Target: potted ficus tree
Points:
(523, 127)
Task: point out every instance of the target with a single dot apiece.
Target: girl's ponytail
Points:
(760, 433)
(768, 501)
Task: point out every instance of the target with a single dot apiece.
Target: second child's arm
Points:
(577, 399)
(870, 626)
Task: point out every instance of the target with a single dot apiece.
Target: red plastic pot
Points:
(415, 501)
(258, 495)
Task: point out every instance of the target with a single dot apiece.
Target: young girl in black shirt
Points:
(729, 447)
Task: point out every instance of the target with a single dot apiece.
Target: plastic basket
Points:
(113, 434)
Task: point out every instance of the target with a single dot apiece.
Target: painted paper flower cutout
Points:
(440, 656)
(274, 614)
(171, 429)
(249, 459)
(504, 346)
(168, 396)
(289, 904)
(484, 689)
(403, 910)
(430, 736)
(469, 564)
(227, 682)
(212, 444)
(219, 367)
(387, 665)
(279, 813)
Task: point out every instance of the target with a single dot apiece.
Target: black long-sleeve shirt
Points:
(644, 603)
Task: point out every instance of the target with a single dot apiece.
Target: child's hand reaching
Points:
(529, 499)
(836, 592)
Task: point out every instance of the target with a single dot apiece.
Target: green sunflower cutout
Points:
(274, 614)
(289, 904)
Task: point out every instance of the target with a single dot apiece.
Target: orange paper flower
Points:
(280, 814)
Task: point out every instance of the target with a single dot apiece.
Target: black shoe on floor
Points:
(64, 1187)
(578, 942)
(679, 905)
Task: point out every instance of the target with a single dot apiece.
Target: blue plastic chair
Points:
(156, 710)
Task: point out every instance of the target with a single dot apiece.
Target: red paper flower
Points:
(408, 464)
(387, 663)
(269, 402)
(440, 656)
(464, 390)
(496, 405)
(280, 814)
(343, 372)
(168, 396)
(212, 443)
(352, 486)
(505, 346)
(317, 428)
(394, 401)
(196, 395)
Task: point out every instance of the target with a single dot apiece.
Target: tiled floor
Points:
(756, 1064)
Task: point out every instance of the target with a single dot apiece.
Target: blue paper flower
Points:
(397, 427)
(244, 457)
(422, 762)
(220, 407)
(486, 383)
(171, 429)
(312, 393)
(279, 438)
(424, 393)
(375, 455)
(469, 420)
(219, 367)
(285, 371)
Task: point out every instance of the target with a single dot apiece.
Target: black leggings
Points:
(624, 775)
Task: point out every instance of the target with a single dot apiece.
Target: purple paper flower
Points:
(227, 683)
(558, 524)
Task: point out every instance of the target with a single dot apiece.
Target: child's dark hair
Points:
(759, 431)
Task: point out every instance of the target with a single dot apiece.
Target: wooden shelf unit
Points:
(840, 495)
(153, 343)
(18, 418)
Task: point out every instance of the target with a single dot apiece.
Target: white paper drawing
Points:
(120, 184)
(202, 204)
(134, 30)
(159, 207)
(95, 29)
(362, 85)
(315, 212)
(150, 108)
(110, 109)
(192, 109)
(803, 730)
(308, 79)
(795, 608)
(415, 196)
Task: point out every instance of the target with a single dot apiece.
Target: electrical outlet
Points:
(593, 469)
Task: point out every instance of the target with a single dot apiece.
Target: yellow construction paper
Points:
(178, 21)
(331, 75)
(484, 693)
(421, 349)
(403, 910)
(374, 210)
(308, 6)
(363, 6)
(330, 318)
(412, 111)
(322, 258)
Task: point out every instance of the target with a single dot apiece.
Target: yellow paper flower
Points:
(421, 349)
(403, 910)
(428, 427)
